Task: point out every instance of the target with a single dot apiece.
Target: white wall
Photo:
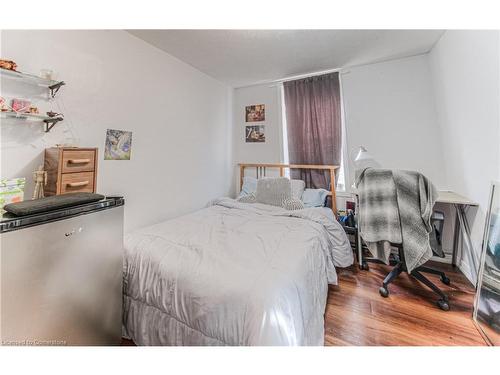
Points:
(270, 150)
(465, 74)
(180, 119)
(389, 109)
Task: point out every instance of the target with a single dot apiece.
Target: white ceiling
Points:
(245, 57)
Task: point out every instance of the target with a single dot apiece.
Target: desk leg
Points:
(456, 234)
(360, 249)
(470, 253)
(358, 239)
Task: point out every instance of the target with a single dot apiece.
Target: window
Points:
(313, 130)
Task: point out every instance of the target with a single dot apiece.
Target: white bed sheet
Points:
(232, 274)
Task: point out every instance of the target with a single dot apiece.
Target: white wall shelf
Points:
(52, 85)
(48, 120)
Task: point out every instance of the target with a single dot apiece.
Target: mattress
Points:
(232, 274)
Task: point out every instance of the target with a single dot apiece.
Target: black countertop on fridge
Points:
(9, 222)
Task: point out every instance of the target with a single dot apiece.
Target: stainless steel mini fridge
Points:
(61, 276)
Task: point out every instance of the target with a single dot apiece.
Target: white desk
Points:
(462, 228)
(453, 198)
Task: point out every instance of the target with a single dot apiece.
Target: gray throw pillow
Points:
(273, 191)
(298, 187)
(293, 204)
(250, 198)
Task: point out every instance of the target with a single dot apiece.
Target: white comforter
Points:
(232, 274)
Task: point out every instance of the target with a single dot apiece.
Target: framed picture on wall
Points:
(254, 113)
(255, 134)
(118, 145)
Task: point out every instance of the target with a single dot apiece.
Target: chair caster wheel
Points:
(384, 292)
(445, 280)
(443, 305)
(364, 266)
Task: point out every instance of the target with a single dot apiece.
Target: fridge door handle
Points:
(73, 231)
(67, 234)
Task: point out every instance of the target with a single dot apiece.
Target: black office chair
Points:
(399, 264)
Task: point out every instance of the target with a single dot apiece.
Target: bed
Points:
(233, 274)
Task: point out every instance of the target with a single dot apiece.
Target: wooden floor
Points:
(356, 314)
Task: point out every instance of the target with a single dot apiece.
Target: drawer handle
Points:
(76, 184)
(78, 161)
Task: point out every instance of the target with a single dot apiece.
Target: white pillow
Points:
(249, 186)
(314, 197)
(273, 191)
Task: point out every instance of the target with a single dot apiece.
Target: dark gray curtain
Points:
(313, 117)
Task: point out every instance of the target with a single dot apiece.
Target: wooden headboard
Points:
(262, 168)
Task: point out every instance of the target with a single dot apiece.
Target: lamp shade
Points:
(362, 161)
(363, 155)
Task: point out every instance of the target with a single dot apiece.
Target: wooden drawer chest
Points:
(70, 170)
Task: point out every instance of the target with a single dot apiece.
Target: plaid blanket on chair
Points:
(396, 207)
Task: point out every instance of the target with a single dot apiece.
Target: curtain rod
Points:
(307, 75)
(299, 76)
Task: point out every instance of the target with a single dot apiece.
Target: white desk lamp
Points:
(362, 161)
(362, 155)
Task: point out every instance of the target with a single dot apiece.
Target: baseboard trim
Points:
(447, 259)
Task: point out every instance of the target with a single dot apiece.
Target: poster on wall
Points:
(254, 113)
(118, 145)
(255, 134)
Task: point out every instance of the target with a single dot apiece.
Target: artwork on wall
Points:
(255, 133)
(118, 145)
(254, 113)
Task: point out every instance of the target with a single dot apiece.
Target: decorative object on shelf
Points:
(40, 178)
(8, 65)
(33, 109)
(21, 105)
(70, 170)
(53, 119)
(46, 74)
(255, 134)
(11, 191)
(3, 105)
(54, 114)
(255, 113)
(118, 145)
